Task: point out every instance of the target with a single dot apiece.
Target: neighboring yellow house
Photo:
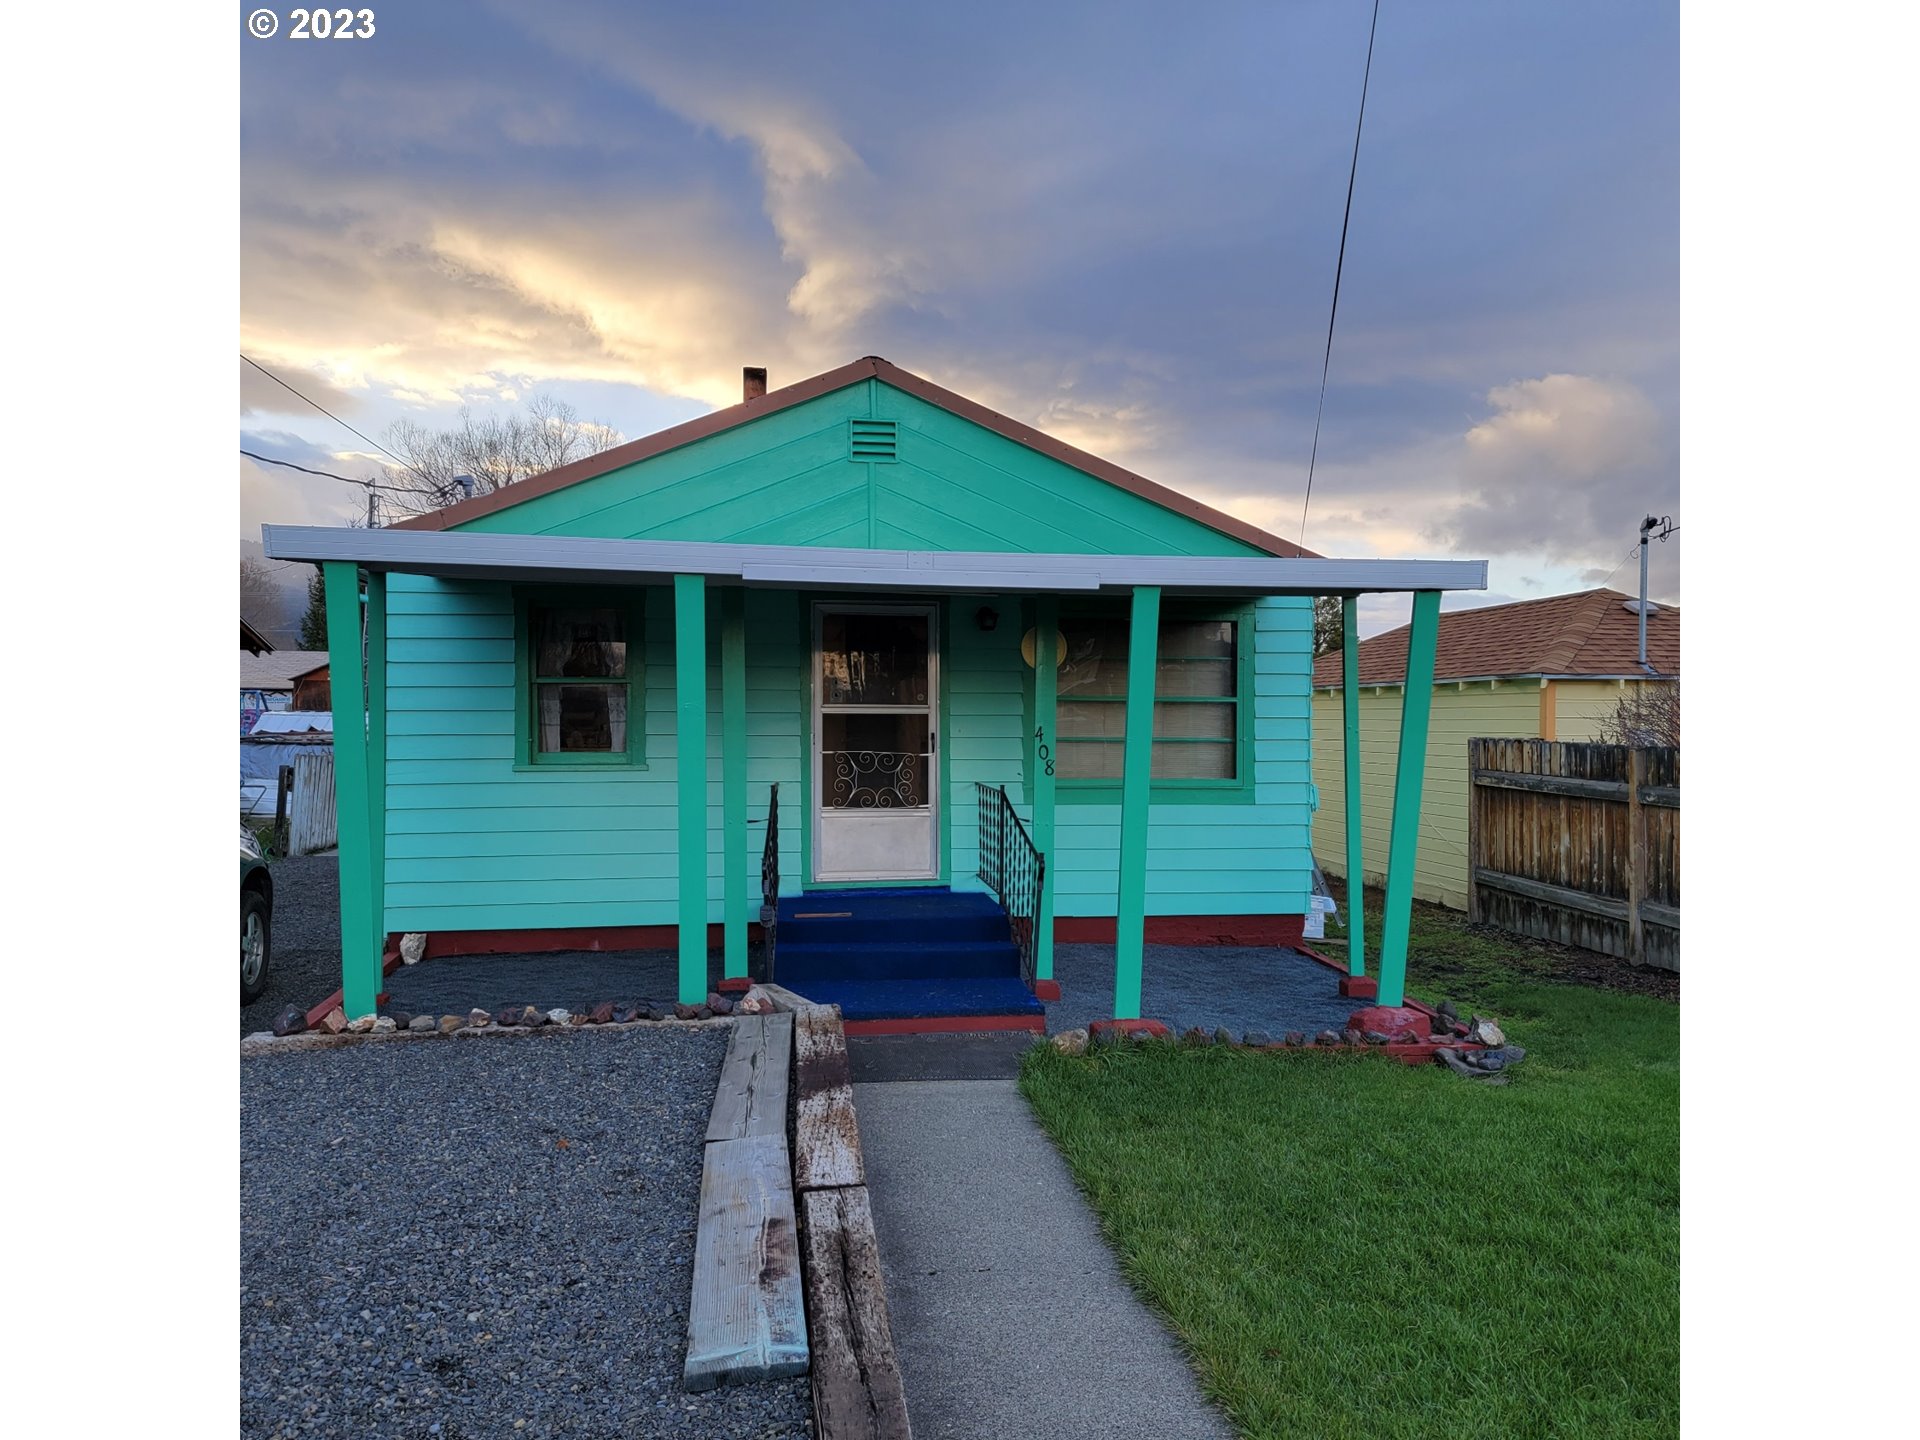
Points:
(1552, 669)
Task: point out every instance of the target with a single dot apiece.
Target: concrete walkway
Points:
(1008, 1310)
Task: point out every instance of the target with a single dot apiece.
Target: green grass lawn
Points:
(1350, 1246)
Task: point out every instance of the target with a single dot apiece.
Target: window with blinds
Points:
(1196, 704)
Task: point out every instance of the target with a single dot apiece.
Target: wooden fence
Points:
(1577, 843)
(312, 825)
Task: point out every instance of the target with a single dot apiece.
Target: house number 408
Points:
(1040, 742)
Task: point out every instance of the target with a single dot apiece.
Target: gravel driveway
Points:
(306, 938)
(481, 1237)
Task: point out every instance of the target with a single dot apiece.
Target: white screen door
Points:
(877, 763)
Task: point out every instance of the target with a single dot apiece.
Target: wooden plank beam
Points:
(746, 1321)
(826, 1135)
(690, 771)
(1409, 782)
(857, 1390)
(735, 854)
(1601, 905)
(359, 955)
(1350, 761)
(1136, 794)
(1552, 785)
(1046, 682)
(751, 1098)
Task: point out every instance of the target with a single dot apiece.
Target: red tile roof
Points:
(1590, 632)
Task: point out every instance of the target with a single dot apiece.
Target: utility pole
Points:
(1664, 524)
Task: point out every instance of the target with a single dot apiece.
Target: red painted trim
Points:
(1048, 990)
(1359, 987)
(584, 937)
(734, 985)
(1284, 930)
(947, 1025)
(1128, 1027)
(389, 962)
(1312, 954)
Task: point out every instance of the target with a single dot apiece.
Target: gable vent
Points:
(875, 439)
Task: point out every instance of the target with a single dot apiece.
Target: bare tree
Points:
(1329, 629)
(495, 451)
(1648, 713)
(260, 600)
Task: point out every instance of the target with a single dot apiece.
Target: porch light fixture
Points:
(986, 617)
(1029, 643)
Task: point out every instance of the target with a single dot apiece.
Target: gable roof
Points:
(252, 639)
(870, 367)
(278, 670)
(1590, 632)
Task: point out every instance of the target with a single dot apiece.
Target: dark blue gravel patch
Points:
(447, 1237)
(570, 979)
(1243, 987)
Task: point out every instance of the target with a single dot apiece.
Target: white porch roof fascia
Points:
(466, 555)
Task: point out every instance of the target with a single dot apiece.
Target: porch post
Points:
(733, 778)
(359, 959)
(1408, 780)
(1136, 787)
(1046, 686)
(377, 752)
(690, 755)
(1350, 755)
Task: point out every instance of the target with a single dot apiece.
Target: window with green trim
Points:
(579, 664)
(1196, 700)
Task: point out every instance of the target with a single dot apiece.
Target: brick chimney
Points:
(753, 381)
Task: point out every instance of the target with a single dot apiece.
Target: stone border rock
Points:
(336, 1029)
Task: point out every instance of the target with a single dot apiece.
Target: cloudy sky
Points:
(1116, 221)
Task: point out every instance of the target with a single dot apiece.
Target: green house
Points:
(855, 643)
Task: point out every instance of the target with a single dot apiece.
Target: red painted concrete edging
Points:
(580, 937)
(1047, 990)
(1186, 929)
(389, 962)
(947, 1025)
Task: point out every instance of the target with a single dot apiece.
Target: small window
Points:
(581, 664)
(1196, 707)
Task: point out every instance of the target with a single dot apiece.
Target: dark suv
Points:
(256, 920)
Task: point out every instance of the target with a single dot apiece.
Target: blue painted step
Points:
(904, 959)
(866, 916)
(912, 1000)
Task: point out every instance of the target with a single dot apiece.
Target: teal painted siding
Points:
(1218, 859)
(790, 479)
(474, 843)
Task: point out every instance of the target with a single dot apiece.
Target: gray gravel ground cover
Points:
(305, 967)
(455, 984)
(485, 1236)
(1243, 987)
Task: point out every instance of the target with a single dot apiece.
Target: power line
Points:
(328, 474)
(1326, 363)
(321, 408)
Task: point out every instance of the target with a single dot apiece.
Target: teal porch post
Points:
(1408, 780)
(1136, 789)
(377, 753)
(359, 957)
(1046, 686)
(690, 756)
(1350, 755)
(733, 778)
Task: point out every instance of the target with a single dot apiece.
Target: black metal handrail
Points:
(1013, 869)
(770, 886)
